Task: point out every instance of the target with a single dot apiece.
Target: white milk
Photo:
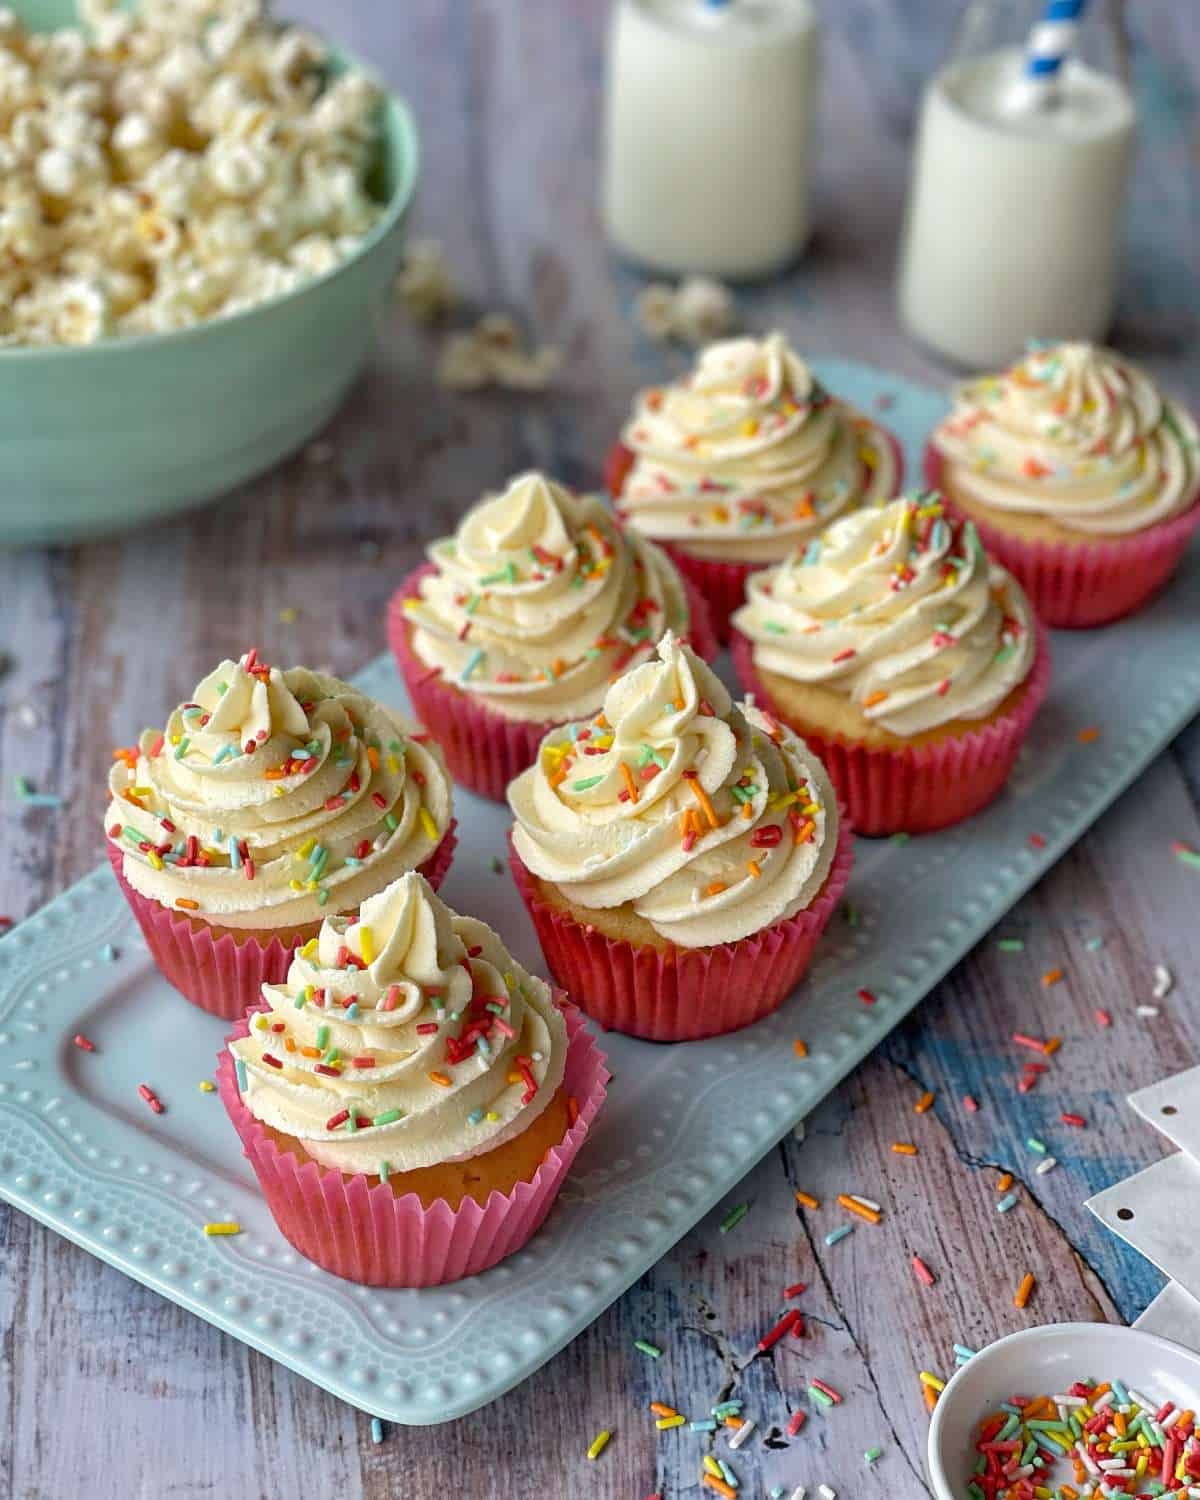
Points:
(1014, 220)
(709, 133)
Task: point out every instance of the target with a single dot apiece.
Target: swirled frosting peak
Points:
(539, 599)
(403, 1039)
(749, 455)
(898, 611)
(1076, 434)
(272, 796)
(709, 819)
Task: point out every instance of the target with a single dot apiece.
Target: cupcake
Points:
(272, 799)
(679, 855)
(909, 662)
(742, 462)
(522, 618)
(1083, 479)
(409, 1097)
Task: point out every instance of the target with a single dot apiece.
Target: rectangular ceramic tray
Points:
(81, 1152)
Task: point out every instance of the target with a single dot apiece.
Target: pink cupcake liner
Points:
(722, 584)
(682, 994)
(367, 1234)
(483, 749)
(219, 974)
(1075, 585)
(917, 791)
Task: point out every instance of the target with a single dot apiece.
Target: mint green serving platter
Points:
(81, 1152)
(103, 437)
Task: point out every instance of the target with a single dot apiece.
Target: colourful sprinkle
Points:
(598, 1444)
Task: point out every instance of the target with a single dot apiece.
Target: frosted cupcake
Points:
(909, 662)
(271, 799)
(409, 1097)
(522, 618)
(680, 857)
(740, 463)
(1083, 479)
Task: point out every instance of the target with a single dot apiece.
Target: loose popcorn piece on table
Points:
(492, 353)
(169, 164)
(696, 312)
(424, 284)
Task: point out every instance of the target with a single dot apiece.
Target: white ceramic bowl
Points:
(1045, 1361)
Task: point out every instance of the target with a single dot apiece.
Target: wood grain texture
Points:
(106, 1387)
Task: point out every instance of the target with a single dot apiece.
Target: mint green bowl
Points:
(103, 437)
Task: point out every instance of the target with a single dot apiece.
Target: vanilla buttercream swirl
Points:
(749, 456)
(404, 1039)
(1074, 433)
(709, 819)
(539, 598)
(898, 611)
(273, 797)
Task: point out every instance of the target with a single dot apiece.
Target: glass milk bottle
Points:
(1018, 182)
(708, 133)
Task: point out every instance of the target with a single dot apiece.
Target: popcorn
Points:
(696, 312)
(173, 163)
(424, 284)
(492, 354)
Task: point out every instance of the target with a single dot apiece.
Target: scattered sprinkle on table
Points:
(872, 1455)
(923, 1103)
(652, 1350)
(970, 1104)
(1051, 976)
(223, 1226)
(743, 1432)
(800, 1048)
(33, 798)
(1186, 855)
(1089, 734)
(1011, 945)
(1007, 1202)
(376, 1430)
(904, 1148)
(835, 1236)
(923, 1273)
(599, 1443)
(785, 1325)
(862, 1207)
(806, 1200)
(734, 1217)
(83, 1043)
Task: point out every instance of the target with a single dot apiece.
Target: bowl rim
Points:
(941, 1482)
(399, 122)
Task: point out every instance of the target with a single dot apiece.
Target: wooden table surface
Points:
(104, 1385)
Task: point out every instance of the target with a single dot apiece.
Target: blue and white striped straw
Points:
(1050, 43)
